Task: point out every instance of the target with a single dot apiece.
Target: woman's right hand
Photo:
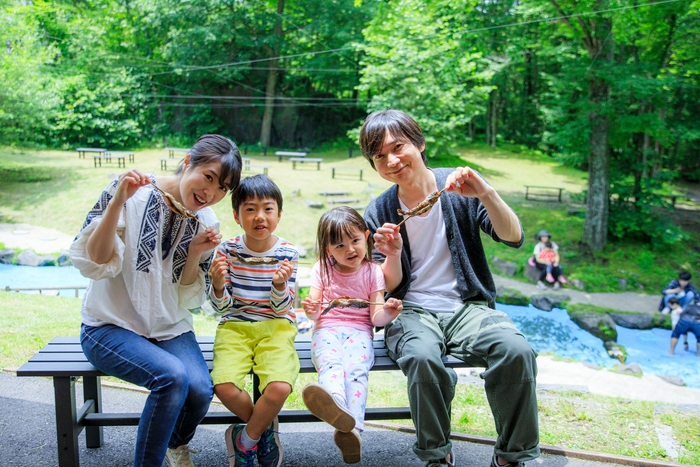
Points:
(128, 184)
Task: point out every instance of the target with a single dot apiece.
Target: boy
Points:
(689, 322)
(257, 329)
(681, 289)
(676, 311)
(443, 278)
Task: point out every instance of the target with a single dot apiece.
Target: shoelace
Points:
(182, 456)
(267, 441)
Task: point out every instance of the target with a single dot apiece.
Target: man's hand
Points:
(282, 275)
(464, 181)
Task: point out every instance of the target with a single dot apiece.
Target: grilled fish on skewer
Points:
(423, 207)
(345, 302)
(174, 205)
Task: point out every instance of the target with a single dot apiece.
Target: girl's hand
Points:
(393, 307)
(388, 241)
(128, 184)
(205, 240)
(311, 308)
(465, 182)
(282, 275)
(218, 271)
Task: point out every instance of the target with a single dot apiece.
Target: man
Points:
(436, 264)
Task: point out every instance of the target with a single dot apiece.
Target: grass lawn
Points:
(568, 419)
(56, 189)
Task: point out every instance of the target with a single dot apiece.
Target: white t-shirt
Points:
(138, 289)
(433, 280)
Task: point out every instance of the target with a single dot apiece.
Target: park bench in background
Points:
(172, 151)
(63, 360)
(120, 156)
(689, 197)
(333, 193)
(546, 192)
(301, 160)
(342, 167)
(246, 162)
(250, 166)
(343, 201)
(82, 151)
(281, 154)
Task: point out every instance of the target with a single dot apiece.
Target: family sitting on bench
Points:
(153, 257)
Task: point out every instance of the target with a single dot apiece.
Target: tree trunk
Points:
(595, 227)
(272, 74)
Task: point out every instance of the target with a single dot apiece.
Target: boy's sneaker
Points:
(269, 446)
(237, 456)
(323, 405)
(562, 279)
(179, 456)
(443, 462)
(494, 463)
(350, 445)
(550, 278)
(540, 285)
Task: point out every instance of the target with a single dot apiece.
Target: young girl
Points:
(341, 347)
(148, 268)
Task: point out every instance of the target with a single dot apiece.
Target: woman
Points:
(148, 268)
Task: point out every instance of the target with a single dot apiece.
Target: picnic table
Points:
(281, 154)
(120, 156)
(546, 192)
(342, 167)
(172, 151)
(82, 151)
(301, 160)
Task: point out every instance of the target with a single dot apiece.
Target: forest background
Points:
(606, 86)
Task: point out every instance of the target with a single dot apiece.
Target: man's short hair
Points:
(399, 124)
(684, 275)
(258, 186)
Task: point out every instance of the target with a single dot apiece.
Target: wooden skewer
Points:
(412, 215)
(328, 303)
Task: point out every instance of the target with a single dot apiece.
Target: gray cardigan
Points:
(463, 219)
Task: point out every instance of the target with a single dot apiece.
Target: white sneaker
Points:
(179, 457)
(556, 285)
(540, 285)
(666, 310)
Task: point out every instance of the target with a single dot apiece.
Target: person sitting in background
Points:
(680, 289)
(551, 271)
(689, 322)
(676, 311)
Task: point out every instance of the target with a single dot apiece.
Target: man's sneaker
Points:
(237, 457)
(494, 463)
(269, 446)
(323, 405)
(179, 456)
(550, 278)
(350, 445)
(452, 462)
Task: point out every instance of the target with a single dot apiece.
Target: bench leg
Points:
(163, 165)
(265, 170)
(361, 174)
(131, 158)
(121, 162)
(332, 173)
(318, 166)
(67, 429)
(92, 390)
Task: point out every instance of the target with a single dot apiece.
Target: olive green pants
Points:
(482, 337)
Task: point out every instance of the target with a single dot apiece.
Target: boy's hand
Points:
(282, 275)
(388, 241)
(205, 240)
(464, 181)
(393, 307)
(310, 308)
(218, 271)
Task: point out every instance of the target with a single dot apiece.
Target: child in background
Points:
(257, 329)
(342, 349)
(676, 310)
(549, 257)
(681, 289)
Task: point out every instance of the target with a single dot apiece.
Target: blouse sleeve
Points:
(80, 257)
(195, 294)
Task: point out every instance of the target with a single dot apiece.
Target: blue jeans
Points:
(683, 301)
(173, 370)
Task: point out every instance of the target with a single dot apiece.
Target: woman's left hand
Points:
(205, 240)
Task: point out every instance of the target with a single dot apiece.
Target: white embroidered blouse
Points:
(139, 288)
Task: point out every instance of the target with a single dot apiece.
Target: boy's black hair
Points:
(684, 275)
(673, 301)
(258, 186)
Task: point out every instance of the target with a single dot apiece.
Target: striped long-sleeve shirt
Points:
(249, 294)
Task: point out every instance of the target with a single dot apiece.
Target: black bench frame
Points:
(63, 360)
(340, 167)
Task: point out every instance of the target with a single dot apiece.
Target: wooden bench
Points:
(246, 162)
(281, 154)
(333, 193)
(341, 167)
(120, 156)
(164, 163)
(301, 160)
(689, 197)
(63, 360)
(345, 201)
(82, 151)
(256, 166)
(172, 151)
(547, 192)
